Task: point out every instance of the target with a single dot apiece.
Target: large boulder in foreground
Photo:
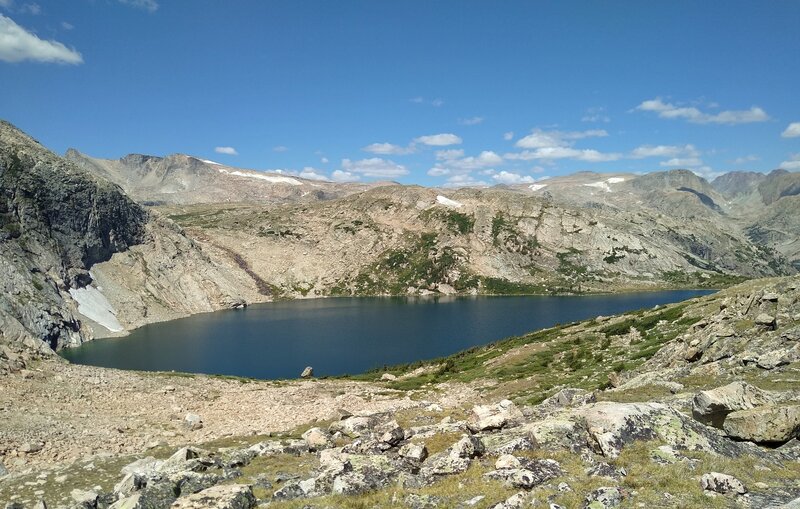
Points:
(767, 424)
(610, 426)
(712, 407)
(489, 417)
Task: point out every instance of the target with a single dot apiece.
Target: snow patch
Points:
(268, 178)
(600, 185)
(536, 187)
(212, 162)
(93, 305)
(447, 202)
(615, 180)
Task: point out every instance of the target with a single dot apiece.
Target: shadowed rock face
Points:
(55, 223)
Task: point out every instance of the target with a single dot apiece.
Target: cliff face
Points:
(58, 222)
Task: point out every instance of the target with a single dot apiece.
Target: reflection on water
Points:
(345, 335)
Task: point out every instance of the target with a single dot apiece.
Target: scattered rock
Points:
(766, 320)
(85, 499)
(488, 417)
(765, 424)
(307, 373)
(233, 496)
(317, 439)
(193, 422)
(722, 483)
(603, 498)
(712, 407)
(506, 461)
(468, 447)
(388, 377)
(416, 452)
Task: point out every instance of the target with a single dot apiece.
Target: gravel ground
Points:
(56, 412)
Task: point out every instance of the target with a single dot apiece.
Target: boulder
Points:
(85, 499)
(570, 397)
(489, 417)
(388, 377)
(603, 498)
(468, 447)
(317, 439)
(515, 501)
(193, 421)
(766, 320)
(307, 373)
(232, 496)
(506, 461)
(530, 475)
(603, 469)
(444, 464)
(354, 426)
(142, 467)
(722, 483)
(766, 424)
(415, 452)
(712, 407)
(393, 435)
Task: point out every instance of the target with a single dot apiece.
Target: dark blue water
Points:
(345, 335)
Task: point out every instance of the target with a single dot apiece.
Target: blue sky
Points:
(432, 92)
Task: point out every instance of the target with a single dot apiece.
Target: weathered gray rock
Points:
(85, 499)
(142, 467)
(467, 447)
(307, 373)
(766, 424)
(40, 504)
(712, 407)
(603, 469)
(530, 475)
(515, 501)
(570, 397)
(317, 439)
(129, 484)
(603, 498)
(506, 461)
(415, 452)
(488, 417)
(766, 320)
(444, 464)
(3, 471)
(193, 422)
(722, 483)
(233, 496)
(354, 426)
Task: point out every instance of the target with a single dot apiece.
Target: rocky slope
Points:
(406, 239)
(70, 241)
(695, 404)
(183, 179)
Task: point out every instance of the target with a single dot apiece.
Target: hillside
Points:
(60, 224)
(695, 404)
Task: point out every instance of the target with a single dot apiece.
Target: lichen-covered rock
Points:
(530, 475)
(604, 498)
(415, 452)
(712, 407)
(232, 496)
(722, 483)
(468, 447)
(766, 424)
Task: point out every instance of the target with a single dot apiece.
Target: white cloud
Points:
(505, 177)
(67, 26)
(374, 167)
(436, 103)
(549, 153)
(439, 140)
(596, 114)
(508, 136)
(226, 150)
(147, 5)
(344, 176)
(312, 174)
(792, 164)
(464, 165)
(464, 181)
(686, 162)
(470, 121)
(644, 151)
(17, 45)
(421, 100)
(388, 149)
(542, 139)
(33, 9)
(745, 159)
(280, 148)
(449, 154)
(792, 131)
(694, 115)
(324, 160)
